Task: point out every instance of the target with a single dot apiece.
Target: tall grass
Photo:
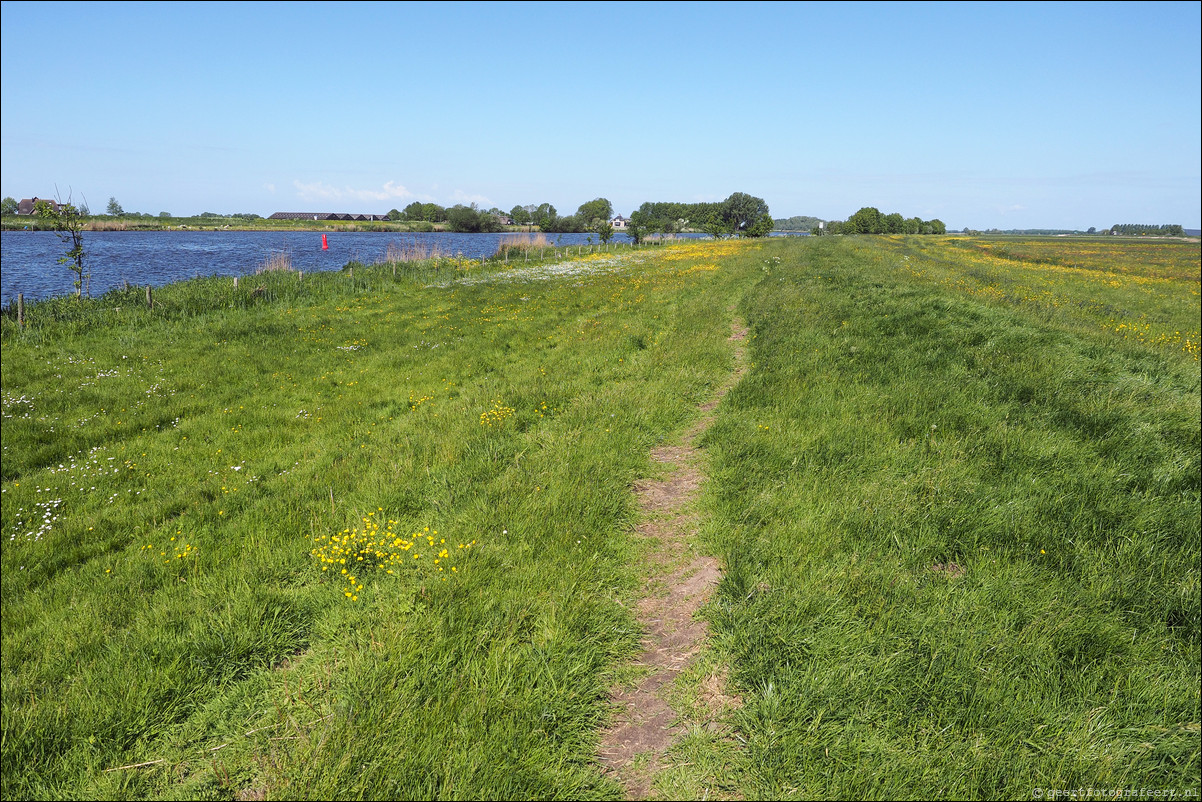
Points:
(522, 245)
(413, 251)
(276, 260)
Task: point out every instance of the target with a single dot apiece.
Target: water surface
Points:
(29, 259)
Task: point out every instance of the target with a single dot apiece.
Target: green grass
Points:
(959, 519)
(961, 531)
(249, 428)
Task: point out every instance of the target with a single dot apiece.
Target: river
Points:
(29, 259)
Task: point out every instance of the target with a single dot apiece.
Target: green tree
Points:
(638, 226)
(894, 224)
(490, 222)
(605, 230)
(395, 214)
(591, 213)
(165, 215)
(716, 226)
(760, 228)
(865, 221)
(463, 219)
(543, 215)
(740, 211)
(433, 213)
(9, 206)
(68, 224)
(563, 225)
(519, 215)
(114, 208)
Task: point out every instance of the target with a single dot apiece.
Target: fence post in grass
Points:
(235, 282)
(149, 299)
(20, 310)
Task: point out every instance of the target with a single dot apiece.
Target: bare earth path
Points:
(645, 726)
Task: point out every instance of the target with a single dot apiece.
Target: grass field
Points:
(370, 534)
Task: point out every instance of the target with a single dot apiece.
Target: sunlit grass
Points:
(181, 486)
(960, 516)
(957, 499)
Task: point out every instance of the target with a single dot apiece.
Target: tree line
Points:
(1134, 230)
(471, 219)
(869, 220)
(740, 214)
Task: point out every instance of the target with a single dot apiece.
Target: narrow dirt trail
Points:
(645, 726)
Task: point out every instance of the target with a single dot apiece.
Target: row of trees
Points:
(869, 220)
(588, 217)
(113, 208)
(1134, 230)
(740, 215)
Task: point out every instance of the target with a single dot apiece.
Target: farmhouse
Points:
(26, 205)
(619, 222)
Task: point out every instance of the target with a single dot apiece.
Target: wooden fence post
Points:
(149, 300)
(235, 282)
(20, 310)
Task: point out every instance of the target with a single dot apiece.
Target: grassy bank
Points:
(959, 504)
(957, 496)
(177, 481)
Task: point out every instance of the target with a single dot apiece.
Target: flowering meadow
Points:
(372, 533)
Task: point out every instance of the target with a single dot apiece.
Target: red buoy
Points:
(325, 246)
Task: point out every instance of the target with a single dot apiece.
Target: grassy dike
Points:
(957, 498)
(172, 479)
(960, 518)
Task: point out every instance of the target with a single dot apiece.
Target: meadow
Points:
(370, 533)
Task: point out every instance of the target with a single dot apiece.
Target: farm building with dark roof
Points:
(325, 216)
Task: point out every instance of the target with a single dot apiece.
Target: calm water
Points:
(29, 259)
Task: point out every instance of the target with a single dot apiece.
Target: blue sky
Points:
(983, 115)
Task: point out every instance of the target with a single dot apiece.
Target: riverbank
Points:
(157, 258)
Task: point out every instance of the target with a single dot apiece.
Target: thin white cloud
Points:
(320, 191)
(1014, 207)
(466, 199)
(270, 188)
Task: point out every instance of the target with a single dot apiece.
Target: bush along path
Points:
(652, 714)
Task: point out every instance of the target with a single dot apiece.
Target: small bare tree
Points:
(68, 223)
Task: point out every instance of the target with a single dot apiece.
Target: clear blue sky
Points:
(983, 115)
